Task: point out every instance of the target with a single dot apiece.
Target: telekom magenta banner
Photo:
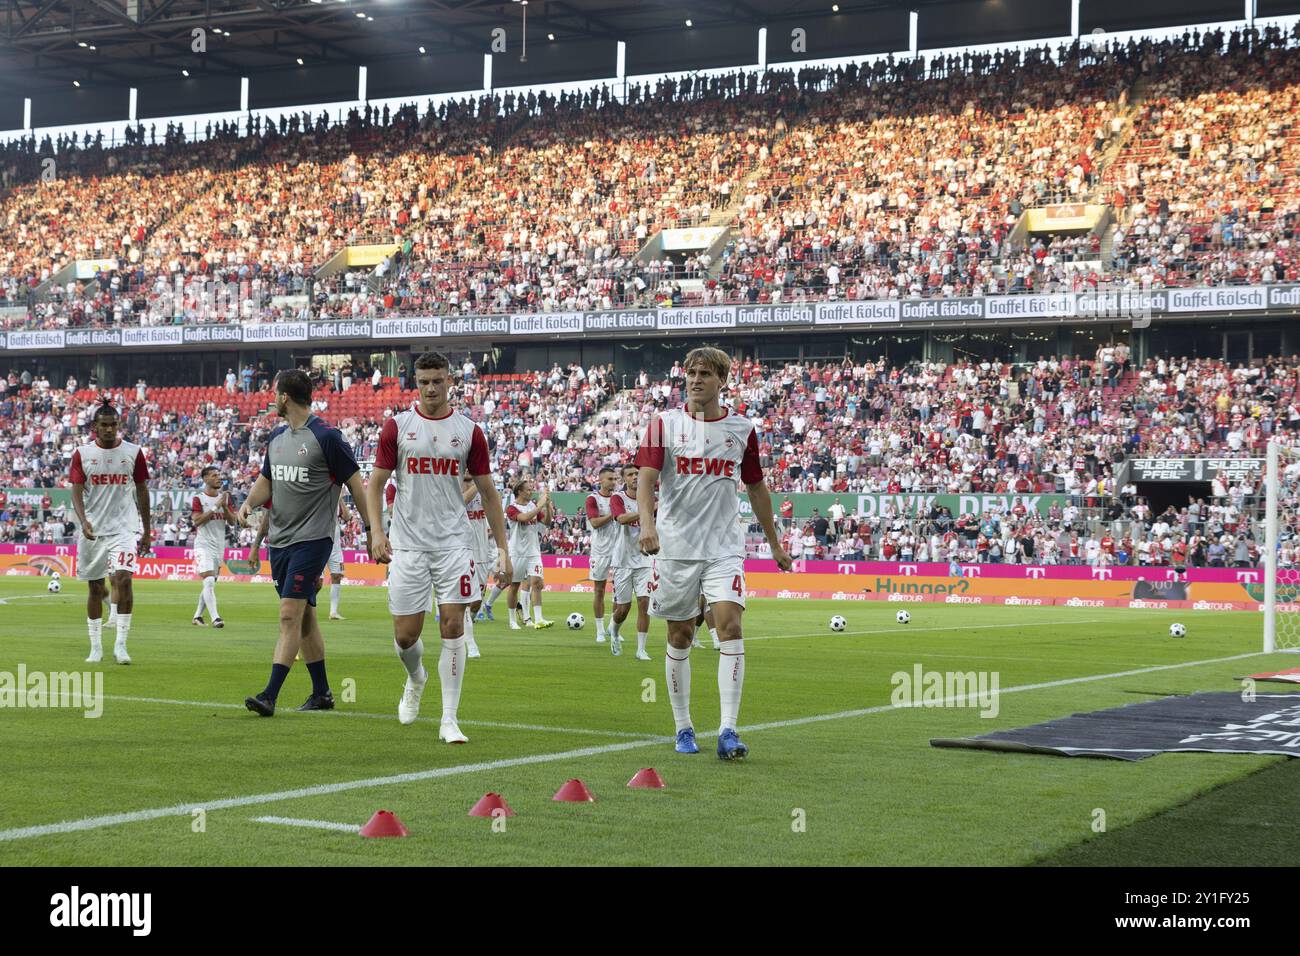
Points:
(1017, 572)
(1200, 589)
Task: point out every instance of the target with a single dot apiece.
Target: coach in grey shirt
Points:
(306, 463)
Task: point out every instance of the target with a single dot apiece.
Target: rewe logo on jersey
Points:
(288, 473)
(705, 466)
(110, 479)
(432, 466)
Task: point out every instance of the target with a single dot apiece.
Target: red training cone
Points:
(647, 778)
(574, 791)
(489, 802)
(385, 824)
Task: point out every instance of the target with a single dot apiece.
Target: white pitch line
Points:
(923, 630)
(312, 824)
(27, 597)
(353, 713)
(227, 803)
(818, 718)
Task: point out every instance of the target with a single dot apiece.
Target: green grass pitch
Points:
(858, 785)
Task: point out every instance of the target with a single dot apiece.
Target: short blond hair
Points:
(716, 359)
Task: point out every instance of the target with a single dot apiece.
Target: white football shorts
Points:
(600, 567)
(526, 566)
(630, 583)
(107, 554)
(676, 586)
(208, 560)
(414, 576)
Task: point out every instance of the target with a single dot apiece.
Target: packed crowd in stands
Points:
(895, 178)
(1209, 187)
(1055, 426)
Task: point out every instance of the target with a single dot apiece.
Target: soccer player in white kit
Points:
(427, 449)
(525, 519)
(604, 538)
(210, 510)
(485, 556)
(336, 562)
(631, 567)
(111, 500)
(695, 454)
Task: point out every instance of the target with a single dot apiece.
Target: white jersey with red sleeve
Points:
(211, 534)
(427, 457)
(627, 550)
(699, 462)
(110, 476)
(604, 538)
(478, 524)
(523, 537)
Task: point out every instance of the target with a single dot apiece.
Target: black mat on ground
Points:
(1218, 722)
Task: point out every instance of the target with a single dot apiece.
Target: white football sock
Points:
(640, 641)
(451, 669)
(614, 627)
(95, 625)
(492, 596)
(203, 600)
(526, 601)
(731, 680)
(412, 657)
(537, 614)
(600, 628)
(112, 613)
(469, 629)
(123, 629)
(677, 672)
(335, 591)
(713, 633)
(210, 596)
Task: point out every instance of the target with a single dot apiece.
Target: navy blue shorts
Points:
(297, 569)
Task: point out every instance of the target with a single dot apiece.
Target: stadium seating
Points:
(848, 183)
(1052, 426)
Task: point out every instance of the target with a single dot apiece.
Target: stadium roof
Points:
(118, 44)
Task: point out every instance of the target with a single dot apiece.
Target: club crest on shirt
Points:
(731, 442)
(455, 442)
(302, 450)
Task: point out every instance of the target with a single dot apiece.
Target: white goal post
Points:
(1281, 570)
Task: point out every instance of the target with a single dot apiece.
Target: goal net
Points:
(1282, 549)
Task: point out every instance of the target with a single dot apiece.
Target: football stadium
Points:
(755, 433)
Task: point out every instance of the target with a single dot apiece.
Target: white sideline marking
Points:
(352, 713)
(28, 597)
(974, 695)
(903, 628)
(186, 809)
(314, 824)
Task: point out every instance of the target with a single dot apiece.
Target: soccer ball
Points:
(838, 623)
(54, 587)
(55, 575)
(1177, 630)
(576, 621)
(902, 617)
